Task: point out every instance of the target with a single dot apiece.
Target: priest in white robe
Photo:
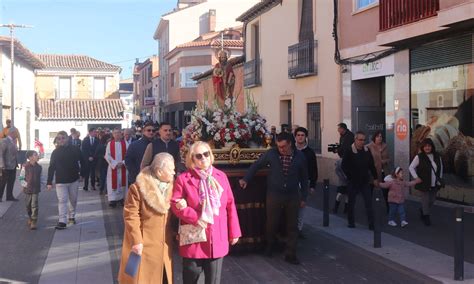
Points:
(117, 179)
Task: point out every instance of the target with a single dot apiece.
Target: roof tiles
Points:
(75, 62)
(76, 109)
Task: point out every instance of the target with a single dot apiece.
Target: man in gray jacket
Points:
(8, 163)
(287, 190)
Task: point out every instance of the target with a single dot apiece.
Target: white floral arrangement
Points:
(220, 126)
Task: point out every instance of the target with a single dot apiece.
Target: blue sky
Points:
(114, 31)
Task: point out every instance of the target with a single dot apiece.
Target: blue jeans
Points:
(394, 209)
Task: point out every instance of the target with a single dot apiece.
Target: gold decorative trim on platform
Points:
(236, 155)
(250, 240)
(250, 205)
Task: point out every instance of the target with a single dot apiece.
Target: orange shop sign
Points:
(401, 128)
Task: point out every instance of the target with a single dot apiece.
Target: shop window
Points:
(441, 109)
(313, 121)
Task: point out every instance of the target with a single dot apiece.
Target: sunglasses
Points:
(200, 156)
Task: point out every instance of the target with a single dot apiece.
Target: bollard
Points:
(459, 244)
(326, 202)
(377, 218)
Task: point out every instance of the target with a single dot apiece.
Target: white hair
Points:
(160, 160)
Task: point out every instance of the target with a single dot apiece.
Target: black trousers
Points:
(193, 267)
(366, 192)
(89, 172)
(7, 179)
(278, 204)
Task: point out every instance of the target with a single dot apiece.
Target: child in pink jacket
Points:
(397, 190)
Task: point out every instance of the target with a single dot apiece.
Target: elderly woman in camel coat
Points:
(147, 223)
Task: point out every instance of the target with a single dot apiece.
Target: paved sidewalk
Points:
(421, 259)
(5, 205)
(89, 251)
(438, 237)
(80, 253)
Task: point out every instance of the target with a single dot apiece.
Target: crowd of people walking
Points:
(145, 175)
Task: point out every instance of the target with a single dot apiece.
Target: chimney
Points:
(212, 20)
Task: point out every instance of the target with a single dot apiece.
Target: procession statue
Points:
(223, 78)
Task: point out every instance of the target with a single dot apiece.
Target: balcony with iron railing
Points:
(302, 59)
(395, 13)
(252, 76)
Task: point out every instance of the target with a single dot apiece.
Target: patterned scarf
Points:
(210, 192)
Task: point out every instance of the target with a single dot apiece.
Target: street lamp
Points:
(12, 57)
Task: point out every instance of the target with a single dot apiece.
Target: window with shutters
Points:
(301, 56)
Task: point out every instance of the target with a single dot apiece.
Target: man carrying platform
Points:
(287, 190)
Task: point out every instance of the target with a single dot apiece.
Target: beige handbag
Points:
(190, 234)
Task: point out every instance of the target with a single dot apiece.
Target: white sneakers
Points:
(394, 224)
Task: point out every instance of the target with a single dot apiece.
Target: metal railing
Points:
(252, 73)
(302, 59)
(395, 13)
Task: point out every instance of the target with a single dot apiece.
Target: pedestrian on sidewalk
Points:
(65, 165)
(210, 210)
(88, 147)
(117, 180)
(6, 130)
(397, 190)
(101, 162)
(379, 151)
(148, 223)
(427, 168)
(346, 139)
(358, 164)
(287, 191)
(301, 137)
(8, 163)
(30, 180)
(136, 150)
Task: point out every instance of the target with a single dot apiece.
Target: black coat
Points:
(357, 164)
(75, 142)
(295, 183)
(65, 164)
(424, 170)
(100, 154)
(133, 158)
(89, 150)
(312, 166)
(345, 143)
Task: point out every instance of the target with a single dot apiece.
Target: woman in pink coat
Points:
(210, 211)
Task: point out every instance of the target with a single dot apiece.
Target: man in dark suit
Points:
(8, 163)
(88, 149)
(74, 140)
